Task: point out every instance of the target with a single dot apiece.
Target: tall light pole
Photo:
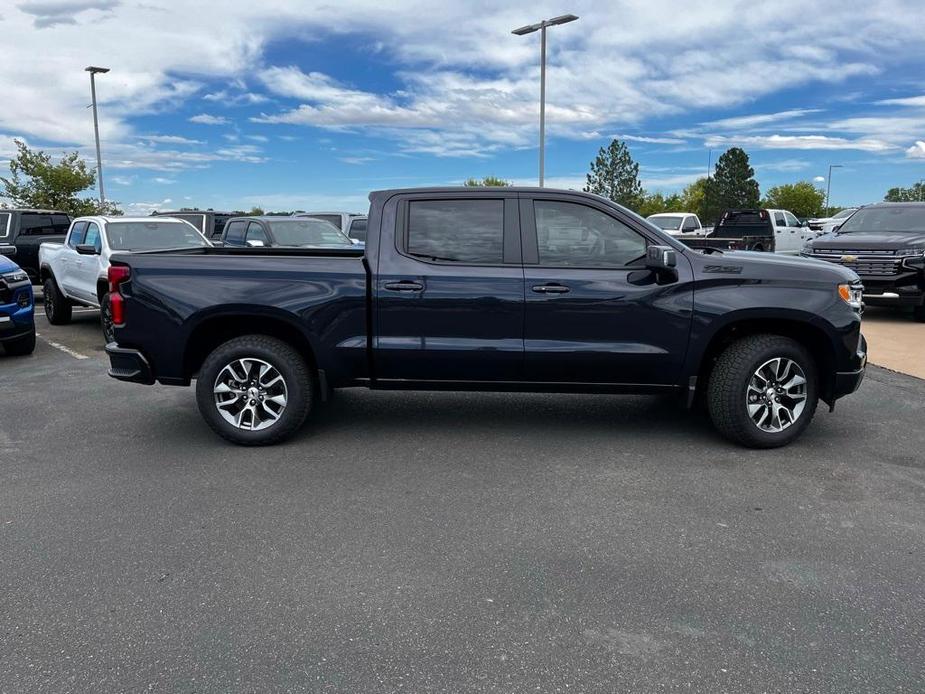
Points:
(541, 27)
(94, 71)
(828, 185)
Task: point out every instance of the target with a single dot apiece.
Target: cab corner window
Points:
(457, 231)
(573, 235)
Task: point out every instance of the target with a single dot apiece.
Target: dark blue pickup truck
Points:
(491, 289)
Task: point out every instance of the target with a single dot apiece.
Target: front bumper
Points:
(128, 365)
(16, 322)
(893, 296)
(847, 382)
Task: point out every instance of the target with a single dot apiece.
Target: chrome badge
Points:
(849, 259)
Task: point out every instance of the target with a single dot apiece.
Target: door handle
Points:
(404, 286)
(551, 289)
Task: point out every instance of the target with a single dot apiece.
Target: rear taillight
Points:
(117, 275)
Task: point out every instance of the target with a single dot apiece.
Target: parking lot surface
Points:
(451, 542)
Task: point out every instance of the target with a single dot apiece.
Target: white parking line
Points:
(66, 350)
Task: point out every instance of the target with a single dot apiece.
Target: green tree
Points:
(255, 212)
(802, 198)
(489, 181)
(733, 185)
(914, 194)
(653, 203)
(615, 175)
(693, 198)
(36, 181)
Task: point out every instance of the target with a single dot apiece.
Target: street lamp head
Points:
(96, 70)
(530, 28)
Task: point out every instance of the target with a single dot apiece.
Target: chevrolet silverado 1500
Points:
(493, 289)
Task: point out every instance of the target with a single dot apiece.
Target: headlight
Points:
(852, 295)
(917, 261)
(15, 276)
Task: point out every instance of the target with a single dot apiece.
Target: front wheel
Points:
(58, 309)
(763, 391)
(21, 346)
(254, 390)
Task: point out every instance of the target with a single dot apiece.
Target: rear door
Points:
(594, 313)
(449, 292)
(787, 237)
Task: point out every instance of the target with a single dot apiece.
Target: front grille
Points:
(868, 264)
(6, 294)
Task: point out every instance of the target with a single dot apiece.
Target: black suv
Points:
(885, 245)
(27, 230)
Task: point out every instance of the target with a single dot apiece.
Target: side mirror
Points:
(6, 250)
(87, 249)
(836, 228)
(661, 258)
(255, 243)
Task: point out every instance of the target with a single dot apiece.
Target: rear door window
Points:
(77, 234)
(779, 219)
(456, 231)
(34, 224)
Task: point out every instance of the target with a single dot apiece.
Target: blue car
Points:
(17, 309)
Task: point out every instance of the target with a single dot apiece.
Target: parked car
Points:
(677, 223)
(75, 272)
(775, 231)
(283, 231)
(27, 230)
(823, 225)
(17, 307)
(524, 289)
(885, 245)
(210, 224)
(354, 225)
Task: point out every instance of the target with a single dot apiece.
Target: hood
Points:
(7, 265)
(869, 241)
(777, 266)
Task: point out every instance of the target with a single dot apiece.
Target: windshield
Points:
(149, 236)
(307, 232)
(898, 219)
(667, 223)
(844, 213)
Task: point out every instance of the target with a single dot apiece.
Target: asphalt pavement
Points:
(441, 542)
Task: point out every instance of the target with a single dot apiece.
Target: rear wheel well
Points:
(102, 289)
(811, 337)
(215, 331)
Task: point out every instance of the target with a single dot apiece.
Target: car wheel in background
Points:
(58, 309)
(763, 391)
(254, 390)
(22, 346)
(109, 332)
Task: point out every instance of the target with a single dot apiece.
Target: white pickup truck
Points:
(678, 223)
(76, 271)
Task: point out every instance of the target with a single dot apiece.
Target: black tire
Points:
(297, 377)
(109, 331)
(758, 248)
(918, 313)
(21, 346)
(58, 309)
(727, 394)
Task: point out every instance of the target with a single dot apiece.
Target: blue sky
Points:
(312, 105)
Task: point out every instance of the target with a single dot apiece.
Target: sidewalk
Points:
(895, 341)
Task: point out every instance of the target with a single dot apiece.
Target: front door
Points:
(450, 291)
(594, 313)
(87, 267)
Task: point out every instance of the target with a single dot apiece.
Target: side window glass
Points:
(779, 219)
(77, 234)
(358, 230)
(4, 225)
(33, 224)
(92, 236)
(458, 231)
(255, 232)
(234, 233)
(573, 235)
(792, 221)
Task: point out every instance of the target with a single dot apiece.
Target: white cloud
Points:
(164, 181)
(357, 160)
(916, 151)
(171, 139)
(49, 13)
(905, 101)
(823, 142)
(742, 122)
(652, 140)
(819, 179)
(209, 119)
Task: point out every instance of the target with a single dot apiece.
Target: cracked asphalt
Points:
(440, 542)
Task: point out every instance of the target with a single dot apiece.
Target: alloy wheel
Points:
(776, 395)
(250, 393)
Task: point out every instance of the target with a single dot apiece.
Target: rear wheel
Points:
(763, 391)
(57, 307)
(109, 333)
(21, 346)
(254, 390)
